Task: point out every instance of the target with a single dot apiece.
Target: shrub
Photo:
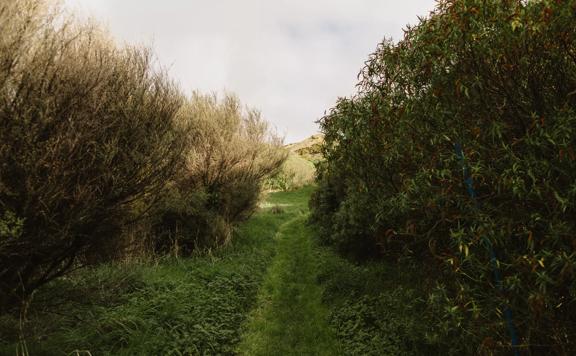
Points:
(232, 152)
(87, 131)
(497, 78)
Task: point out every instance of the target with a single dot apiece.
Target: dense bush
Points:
(100, 152)
(497, 78)
(86, 130)
(231, 153)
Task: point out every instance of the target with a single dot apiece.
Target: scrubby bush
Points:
(232, 152)
(497, 78)
(87, 132)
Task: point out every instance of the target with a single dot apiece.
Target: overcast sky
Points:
(291, 59)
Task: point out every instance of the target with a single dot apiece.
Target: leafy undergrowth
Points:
(175, 306)
(379, 309)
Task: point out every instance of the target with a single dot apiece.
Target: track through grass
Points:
(184, 306)
(290, 318)
(258, 296)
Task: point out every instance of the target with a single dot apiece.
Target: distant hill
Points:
(299, 170)
(309, 149)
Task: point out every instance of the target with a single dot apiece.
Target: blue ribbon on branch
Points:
(469, 183)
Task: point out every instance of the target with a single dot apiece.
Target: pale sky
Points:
(291, 59)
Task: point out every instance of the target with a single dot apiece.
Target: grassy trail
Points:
(258, 296)
(183, 306)
(290, 319)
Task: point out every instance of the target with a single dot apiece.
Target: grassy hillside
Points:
(309, 149)
(299, 169)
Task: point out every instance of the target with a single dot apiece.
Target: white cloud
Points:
(290, 59)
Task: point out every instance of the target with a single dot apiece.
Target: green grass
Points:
(177, 306)
(273, 291)
(291, 319)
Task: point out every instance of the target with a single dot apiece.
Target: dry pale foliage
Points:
(86, 130)
(232, 151)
